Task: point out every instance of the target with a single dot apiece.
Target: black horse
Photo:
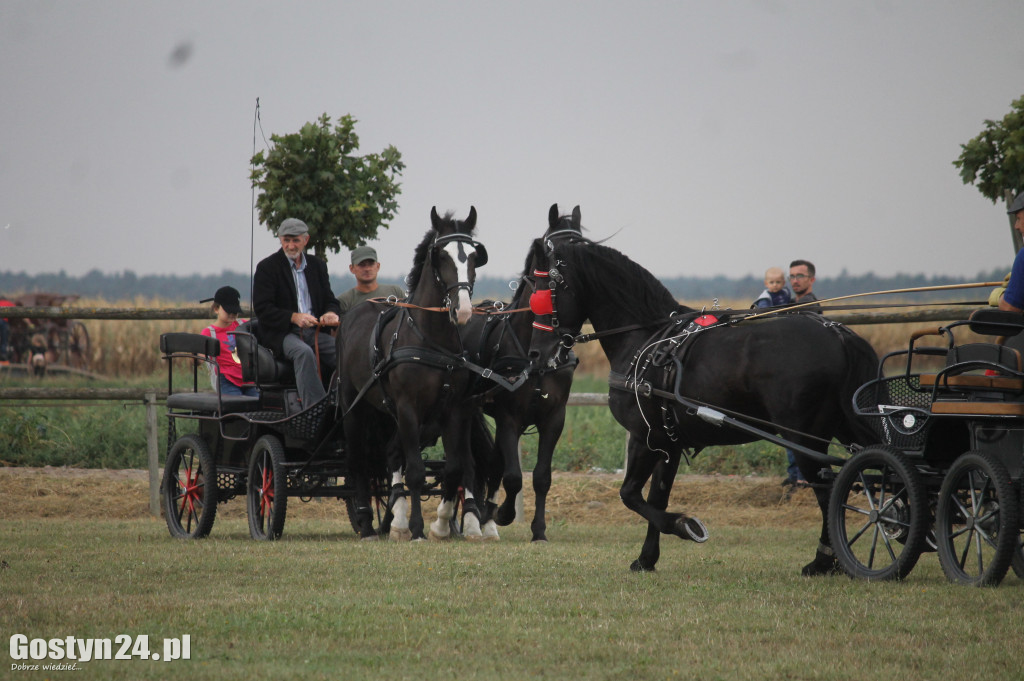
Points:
(796, 372)
(501, 341)
(403, 382)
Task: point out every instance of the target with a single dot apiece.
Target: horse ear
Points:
(576, 217)
(471, 220)
(553, 216)
(540, 256)
(434, 219)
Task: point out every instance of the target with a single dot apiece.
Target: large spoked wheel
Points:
(976, 521)
(878, 515)
(189, 488)
(267, 495)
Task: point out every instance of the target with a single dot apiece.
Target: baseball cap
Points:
(363, 253)
(227, 297)
(1017, 205)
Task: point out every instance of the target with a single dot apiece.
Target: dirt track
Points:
(575, 497)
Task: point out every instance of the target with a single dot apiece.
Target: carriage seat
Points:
(201, 350)
(259, 365)
(980, 379)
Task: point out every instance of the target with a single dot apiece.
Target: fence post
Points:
(153, 453)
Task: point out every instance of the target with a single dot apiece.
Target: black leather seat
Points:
(259, 365)
(201, 350)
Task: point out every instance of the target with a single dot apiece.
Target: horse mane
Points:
(418, 259)
(615, 280)
(423, 249)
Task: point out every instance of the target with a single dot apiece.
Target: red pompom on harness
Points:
(540, 302)
(705, 320)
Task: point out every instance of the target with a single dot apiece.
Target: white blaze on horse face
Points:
(460, 256)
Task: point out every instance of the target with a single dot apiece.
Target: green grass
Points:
(321, 605)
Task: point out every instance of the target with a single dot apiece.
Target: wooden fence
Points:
(150, 398)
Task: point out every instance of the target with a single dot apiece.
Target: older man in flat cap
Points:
(1013, 296)
(292, 297)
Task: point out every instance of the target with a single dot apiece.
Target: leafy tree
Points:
(994, 160)
(313, 175)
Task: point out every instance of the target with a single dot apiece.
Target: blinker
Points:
(540, 302)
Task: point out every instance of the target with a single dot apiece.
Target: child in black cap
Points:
(227, 307)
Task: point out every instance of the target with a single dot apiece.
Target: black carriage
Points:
(947, 473)
(265, 448)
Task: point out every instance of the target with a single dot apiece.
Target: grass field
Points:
(319, 604)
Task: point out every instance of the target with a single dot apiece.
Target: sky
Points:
(704, 138)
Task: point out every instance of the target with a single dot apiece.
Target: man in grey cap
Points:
(365, 268)
(292, 297)
(1013, 296)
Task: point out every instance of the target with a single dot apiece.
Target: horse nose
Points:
(534, 355)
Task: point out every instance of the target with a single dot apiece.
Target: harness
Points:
(425, 354)
(667, 350)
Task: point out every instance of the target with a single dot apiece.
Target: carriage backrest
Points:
(980, 355)
(259, 366)
(189, 344)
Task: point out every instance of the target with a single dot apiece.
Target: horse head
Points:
(448, 256)
(556, 316)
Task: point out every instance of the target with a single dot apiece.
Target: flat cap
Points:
(292, 227)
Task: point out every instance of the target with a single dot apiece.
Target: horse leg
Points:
(644, 465)
(548, 434)
(507, 440)
(487, 482)
(825, 562)
(415, 471)
(398, 504)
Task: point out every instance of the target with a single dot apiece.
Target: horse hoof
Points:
(691, 529)
(371, 537)
(490, 531)
(637, 566)
(504, 518)
(434, 536)
(823, 564)
(400, 534)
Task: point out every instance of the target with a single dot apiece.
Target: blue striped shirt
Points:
(301, 287)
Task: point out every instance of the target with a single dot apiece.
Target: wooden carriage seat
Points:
(259, 365)
(202, 351)
(979, 379)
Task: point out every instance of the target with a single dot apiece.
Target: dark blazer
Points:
(274, 297)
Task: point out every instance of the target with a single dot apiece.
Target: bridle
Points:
(544, 301)
(481, 259)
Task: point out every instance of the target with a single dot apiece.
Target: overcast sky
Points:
(711, 137)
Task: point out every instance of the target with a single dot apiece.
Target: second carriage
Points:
(947, 474)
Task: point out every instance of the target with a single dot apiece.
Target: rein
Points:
(392, 301)
(919, 289)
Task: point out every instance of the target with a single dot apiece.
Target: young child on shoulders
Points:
(775, 291)
(227, 307)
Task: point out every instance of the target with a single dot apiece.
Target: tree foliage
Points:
(994, 160)
(315, 176)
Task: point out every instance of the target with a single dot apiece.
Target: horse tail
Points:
(862, 367)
